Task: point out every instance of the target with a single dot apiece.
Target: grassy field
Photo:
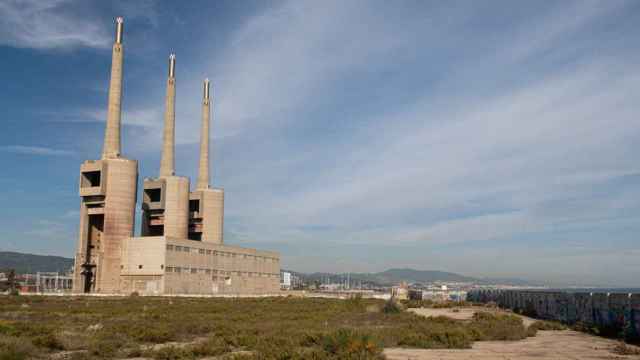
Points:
(241, 328)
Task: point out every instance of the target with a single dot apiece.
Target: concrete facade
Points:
(206, 216)
(181, 249)
(178, 266)
(165, 207)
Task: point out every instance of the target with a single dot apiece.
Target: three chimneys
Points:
(111, 147)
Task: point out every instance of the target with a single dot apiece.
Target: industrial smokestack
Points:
(167, 164)
(205, 90)
(111, 147)
(203, 171)
(119, 28)
(172, 66)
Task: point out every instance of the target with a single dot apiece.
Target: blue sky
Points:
(491, 138)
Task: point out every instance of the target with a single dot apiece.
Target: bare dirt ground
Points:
(546, 345)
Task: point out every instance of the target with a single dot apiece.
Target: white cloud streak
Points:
(527, 147)
(63, 24)
(44, 25)
(36, 150)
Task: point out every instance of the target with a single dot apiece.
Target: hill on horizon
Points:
(32, 263)
(421, 276)
(396, 275)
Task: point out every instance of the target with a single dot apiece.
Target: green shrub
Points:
(493, 326)
(355, 302)
(105, 345)
(450, 304)
(435, 305)
(349, 344)
(213, 346)
(391, 307)
(548, 325)
(622, 348)
(172, 353)
(13, 348)
(79, 355)
(417, 304)
(7, 328)
(454, 338)
(48, 341)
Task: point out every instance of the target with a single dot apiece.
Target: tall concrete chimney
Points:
(203, 173)
(111, 148)
(167, 164)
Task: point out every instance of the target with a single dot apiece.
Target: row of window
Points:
(217, 253)
(186, 270)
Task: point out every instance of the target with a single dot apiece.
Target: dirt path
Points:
(546, 345)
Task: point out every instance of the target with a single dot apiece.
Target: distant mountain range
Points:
(395, 276)
(30, 263)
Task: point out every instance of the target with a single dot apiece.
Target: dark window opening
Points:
(195, 236)
(90, 179)
(194, 205)
(156, 230)
(153, 195)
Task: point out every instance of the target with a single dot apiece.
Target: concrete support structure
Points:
(206, 215)
(166, 202)
(206, 204)
(108, 188)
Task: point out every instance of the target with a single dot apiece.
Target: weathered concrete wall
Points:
(212, 215)
(611, 313)
(142, 267)
(114, 199)
(159, 265)
(176, 207)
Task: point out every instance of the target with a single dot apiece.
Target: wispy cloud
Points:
(484, 153)
(36, 150)
(48, 24)
(63, 24)
(147, 117)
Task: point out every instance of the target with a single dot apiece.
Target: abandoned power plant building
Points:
(181, 248)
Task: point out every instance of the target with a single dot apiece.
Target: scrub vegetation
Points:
(226, 328)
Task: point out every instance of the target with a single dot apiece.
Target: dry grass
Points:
(265, 328)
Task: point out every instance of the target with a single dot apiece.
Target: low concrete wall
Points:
(613, 314)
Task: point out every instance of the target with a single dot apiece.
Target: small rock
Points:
(25, 306)
(94, 327)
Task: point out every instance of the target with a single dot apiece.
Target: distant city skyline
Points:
(492, 139)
